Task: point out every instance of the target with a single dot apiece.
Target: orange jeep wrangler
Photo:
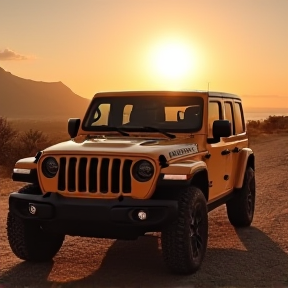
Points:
(138, 162)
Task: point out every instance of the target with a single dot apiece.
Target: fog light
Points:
(142, 215)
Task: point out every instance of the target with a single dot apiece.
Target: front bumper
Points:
(103, 218)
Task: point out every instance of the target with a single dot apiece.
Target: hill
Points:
(23, 98)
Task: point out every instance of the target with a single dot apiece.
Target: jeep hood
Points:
(152, 148)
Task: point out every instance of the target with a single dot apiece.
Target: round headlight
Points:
(50, 167)
(143, 170)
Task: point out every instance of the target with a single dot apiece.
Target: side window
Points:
(239, 119)
(214, 113)
(229, 115)
(101, 115)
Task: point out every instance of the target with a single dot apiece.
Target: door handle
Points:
(208, 155)
(225, 152)
(236, 150)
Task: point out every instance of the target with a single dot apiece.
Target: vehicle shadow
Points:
(26, 274)
(139, 264)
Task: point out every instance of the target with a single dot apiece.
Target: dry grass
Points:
(54, 128)
(28, 136)
(270, 125)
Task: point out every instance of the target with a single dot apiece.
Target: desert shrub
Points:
(15, 145)
(7, 137)
(275, 123)
(272, 124)
(26, 144)
(33, 141)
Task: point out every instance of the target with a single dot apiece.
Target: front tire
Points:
(240, 209)
(27, 239)
(184, 242)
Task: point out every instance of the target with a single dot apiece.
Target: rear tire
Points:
(240, 208)
(27, 239)
(184, 242)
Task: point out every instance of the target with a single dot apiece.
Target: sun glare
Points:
(173, 60)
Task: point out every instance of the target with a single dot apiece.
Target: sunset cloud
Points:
(8, 54)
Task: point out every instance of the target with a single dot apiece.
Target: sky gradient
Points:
(238, 46)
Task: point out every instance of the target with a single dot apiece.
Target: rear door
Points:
(230, 144)
(214, 160)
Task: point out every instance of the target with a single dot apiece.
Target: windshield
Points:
(170, 114)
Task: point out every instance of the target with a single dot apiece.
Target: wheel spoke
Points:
(192, 221)
(250, 201)
(199, 241)
(196, 244)
(195, 226)
(195, 250)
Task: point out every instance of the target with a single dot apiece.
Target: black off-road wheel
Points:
(240, 208)
(184, 242)
(27, 239)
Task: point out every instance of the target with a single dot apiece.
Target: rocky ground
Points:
(250, 257)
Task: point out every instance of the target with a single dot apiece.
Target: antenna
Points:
(208, 86)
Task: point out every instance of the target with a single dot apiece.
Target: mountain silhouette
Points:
(27, 98)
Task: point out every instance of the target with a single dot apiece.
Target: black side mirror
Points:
(221, 128)
(73, 126)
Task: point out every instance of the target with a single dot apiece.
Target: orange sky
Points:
(239, 46)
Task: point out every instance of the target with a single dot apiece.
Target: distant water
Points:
(264, 115)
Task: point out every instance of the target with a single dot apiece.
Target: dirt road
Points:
(250, 257)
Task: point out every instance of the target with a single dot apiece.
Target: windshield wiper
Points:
(148, 128)
(171, 136)
(113, 128)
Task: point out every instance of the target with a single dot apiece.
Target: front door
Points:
(219, 166)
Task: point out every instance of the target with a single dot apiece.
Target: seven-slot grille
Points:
(94, 175)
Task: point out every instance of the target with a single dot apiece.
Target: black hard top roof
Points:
(159, 92)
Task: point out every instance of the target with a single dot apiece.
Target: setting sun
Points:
(172, 60)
